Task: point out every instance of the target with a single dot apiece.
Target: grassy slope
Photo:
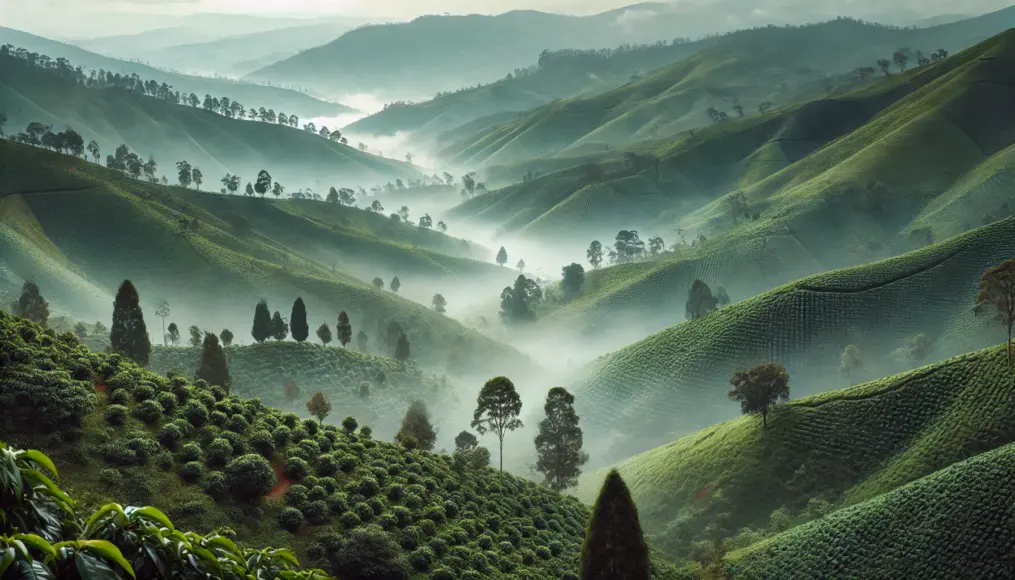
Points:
(954, 523)
(675, 381)
(768, 64)
(251, 95)
(171, 132)
(99, 463)
(846, 447)
(216, 275)
(802, 165)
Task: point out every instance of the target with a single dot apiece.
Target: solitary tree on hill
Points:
(361, 340)
(262, 329)
(901, 59)
(128, 334)
(344, 329)
(497, 410)
(195, 336)
(263, 183)
(466, 441)
(440, 304)
(595, 254)
(93, 148)
(214, 369)
(997, 288)
(324, 334)
(574, 277)
(298, 321)
(502, 256)
(31, 305)
(614, 547)
(227, 337)
(417, 424)
(559, 442)
(403, 213)
(162, 311)
(378, 283)
(759, 389)
(318, 406)
(183, 173)
(174, 334)
(395, 284)
(443, 227)
(279, 327)
(249, 189)
(885, 65)
(198, 177)
(402, 348)
(700, 301)
(520, 266)
(850, 362)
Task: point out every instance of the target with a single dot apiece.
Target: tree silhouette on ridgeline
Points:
(595, 254)
(502, 256)
(214, 368)
(263, 328)
(439, 303)
(279, 327)
(344, 329)
(31, 305)
(128, 334)
(324, 334)
(227, 337)
(298, 321)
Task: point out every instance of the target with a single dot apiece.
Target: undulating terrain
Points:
(732, 305)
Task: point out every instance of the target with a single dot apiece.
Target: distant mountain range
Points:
(250, 94)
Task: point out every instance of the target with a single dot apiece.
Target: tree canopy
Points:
(417, 424)
(31, 305)
(128, 334)
(758, 389)
(559, 442)
(497, 410)
(298, 321)
(262, 329)
(344, 329)
(214, 368)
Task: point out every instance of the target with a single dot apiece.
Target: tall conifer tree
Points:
(214, 367)
(128, 334)
(344, 329)
(298, 321)
(614, 547)
(262, 329)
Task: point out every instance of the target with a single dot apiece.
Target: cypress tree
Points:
(344, 329)
(214, 367)
(31, 305)
(279, 328)
(298, 321)
(128, 334)
(262, 329)
(614, 548)
(402, 348)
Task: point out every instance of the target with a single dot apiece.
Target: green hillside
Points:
(251, 94)
(125, 434)
(675, 381)
(823, 453)
(170, 132)
(262, 371)
(955, 523)
(775, 65)
(226, 258)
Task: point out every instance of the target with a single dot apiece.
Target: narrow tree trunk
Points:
(501, 453)
(164, 332)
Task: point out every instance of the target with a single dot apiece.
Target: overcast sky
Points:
(91, 18)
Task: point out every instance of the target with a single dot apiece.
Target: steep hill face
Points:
(170, 132)
(676, 380)
(250, 94)
(825, 453)
(769, 65)
(206, 255)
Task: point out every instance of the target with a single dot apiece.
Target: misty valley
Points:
(661, 291)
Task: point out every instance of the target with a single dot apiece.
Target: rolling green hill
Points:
(775, 65)
(250, 94)
(226, 258)
(852, 453)
(675, 381)
(171, 132)
(121, 433)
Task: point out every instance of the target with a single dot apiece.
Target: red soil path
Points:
(282, 482)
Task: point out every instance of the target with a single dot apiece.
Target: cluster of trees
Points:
(701, 302)
(39, 135)
(627, 247)
(517, 302)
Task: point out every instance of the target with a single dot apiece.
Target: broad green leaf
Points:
(93, 522)
(7, 558)
(10, 474)
(154, 514)
(108, 551)
(226, 544)
(33, 571)
(38, 476)
(40, 458)
(37, 542)
(91, 568)
(20, 547)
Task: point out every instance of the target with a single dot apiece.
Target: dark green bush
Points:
(484, 541)
(297, 496)
(192, 471)
(281, 435)
(164, 460)
(216, 485)
(369, 487)
(435, 513)
(528, 556)
(410, 538)
(170, 436)
(443, 573)
(402, 515)
(543, 552)
(219, 419)
(327, 465)
(290, 519)
(428, 528)
(422, 558)
(439, 546)
(316, 512)
(196, 413)
(143, 393)
(296, 468)
(369, 553)
(219, 452)
(168, 401)
(337, 503)
(349, 520)
(413, 501)
(191, 452)
(262, 442)
(347, 463)
(249, 477)
(119, 397)
(364, 511)
(149, 411)
(238, 424)
(317, 492)
(115, 415)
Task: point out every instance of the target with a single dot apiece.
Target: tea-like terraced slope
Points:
(262, 370)
(771, 64)
(675, 381)
(107, 227)
(123, 433)
(213, 142)
(835, 172)
(955, 523)
(844, 447)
